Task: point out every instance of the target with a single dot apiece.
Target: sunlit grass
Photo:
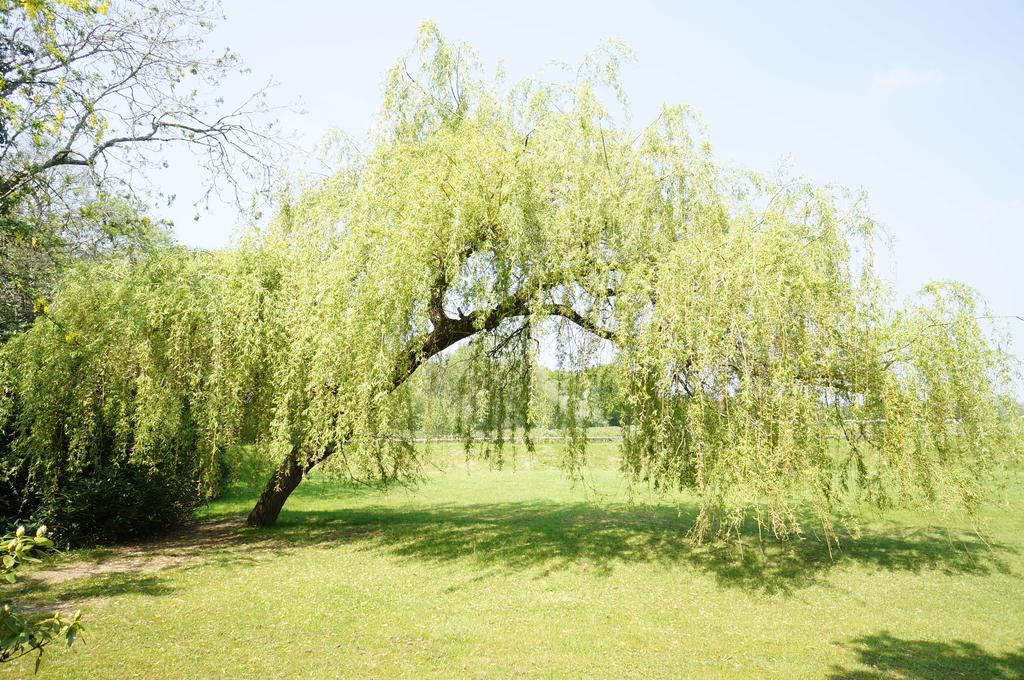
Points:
(478, 572)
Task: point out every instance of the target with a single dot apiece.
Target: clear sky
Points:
(920, 104)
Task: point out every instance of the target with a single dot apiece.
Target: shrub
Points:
(97, 439)
(20, 633)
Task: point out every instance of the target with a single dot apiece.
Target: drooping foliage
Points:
(102, 431)
(761, 360)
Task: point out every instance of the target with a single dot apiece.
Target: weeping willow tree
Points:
(749, 327)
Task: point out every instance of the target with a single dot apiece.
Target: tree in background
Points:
(443, 403)
(749, 325)
(89, 94)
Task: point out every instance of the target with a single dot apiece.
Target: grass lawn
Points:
(484, 573)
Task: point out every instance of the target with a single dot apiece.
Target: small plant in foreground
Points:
(21, 634)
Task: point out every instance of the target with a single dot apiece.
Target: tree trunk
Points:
(446, 332)
(281, 484)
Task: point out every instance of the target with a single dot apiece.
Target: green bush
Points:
(112, 495)
(99, 439)
(110, 502)
(119, 502)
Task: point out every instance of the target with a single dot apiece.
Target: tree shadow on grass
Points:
(39, 596)
(548, 536)
(113, 584)
(884, 656)
(531, 536)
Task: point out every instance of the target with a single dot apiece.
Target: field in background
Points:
(516, 572)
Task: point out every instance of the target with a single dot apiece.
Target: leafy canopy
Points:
(762, 360)
(91, 93)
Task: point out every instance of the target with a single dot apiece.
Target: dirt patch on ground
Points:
(170, 550)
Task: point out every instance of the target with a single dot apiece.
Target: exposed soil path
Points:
(174, 549)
